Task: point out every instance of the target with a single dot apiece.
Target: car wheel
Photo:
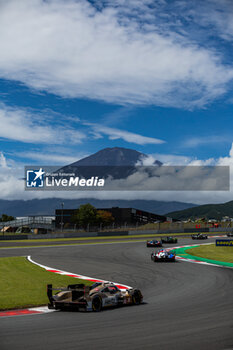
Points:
(136, 297)
(97, 303)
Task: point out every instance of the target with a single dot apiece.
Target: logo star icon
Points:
(39, 174)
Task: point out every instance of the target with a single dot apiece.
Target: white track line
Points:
(65, 273)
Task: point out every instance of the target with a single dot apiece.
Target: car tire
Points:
(97, 303)
(136, 297)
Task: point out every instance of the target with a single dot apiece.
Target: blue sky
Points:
(77, 76)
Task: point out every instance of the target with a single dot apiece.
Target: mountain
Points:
(49, 205)
(119, 162)
(209, 211)
(116, 156)
(116, 162)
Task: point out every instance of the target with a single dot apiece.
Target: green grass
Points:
(23, 284)
(212, 252)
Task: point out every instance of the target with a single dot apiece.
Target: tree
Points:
(5, 218)
(86, 215)
(105, 217)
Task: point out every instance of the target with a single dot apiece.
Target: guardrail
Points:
(31, 221)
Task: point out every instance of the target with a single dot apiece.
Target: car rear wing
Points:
(74, 288)
(50, 287)
(50, 294)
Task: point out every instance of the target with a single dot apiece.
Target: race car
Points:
(154, 243)
(169, 239)
(199, 236)
(95, 298)
(163, 255)
(230, 234)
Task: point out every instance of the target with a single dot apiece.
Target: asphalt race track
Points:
(187, 306)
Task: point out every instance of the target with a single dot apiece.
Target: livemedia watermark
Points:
(127, 178)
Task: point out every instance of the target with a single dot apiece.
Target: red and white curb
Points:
(196, 261)
(60, 272)
(217, 236)
(44, 309)
(25, 312)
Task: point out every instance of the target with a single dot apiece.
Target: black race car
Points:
(169, 239)
(154, 243)
(229, 234)
(199, 236)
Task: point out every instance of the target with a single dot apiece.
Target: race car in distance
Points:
(169, 239)
(154, 243)
(199, 236)
(84, 298)
(230, 234)
(163, 255)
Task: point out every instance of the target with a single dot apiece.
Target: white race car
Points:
(163, 255)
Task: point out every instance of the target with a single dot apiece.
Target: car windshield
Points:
(110, 289)
(96, 284)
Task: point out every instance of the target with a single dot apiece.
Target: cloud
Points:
(28, 127)
(216, 15)
(115, 134)
(3, 163)
(171, 159)
(43, 127)
(148, 160)
(119, 52)
(193, 142)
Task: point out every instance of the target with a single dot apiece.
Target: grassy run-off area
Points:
(212, 252)
(23, 284)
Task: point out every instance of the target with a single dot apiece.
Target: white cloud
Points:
(29, 126)
(70, 48)
(193, 142)
(171, 159)
(146, 161)
(115, 134)
(3, 163)
(24, 126)
(216, 15)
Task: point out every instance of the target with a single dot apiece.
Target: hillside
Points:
(48, 206)
(209, 211)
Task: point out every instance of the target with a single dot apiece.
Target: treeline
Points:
(6, 217)
(88, 215)
(206, 211)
